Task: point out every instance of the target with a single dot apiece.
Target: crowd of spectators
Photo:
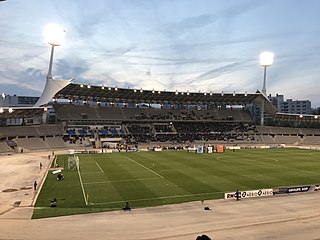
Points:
(189, 132)
(146, 125)
(138, 129)
(164, 128)
(176, 132)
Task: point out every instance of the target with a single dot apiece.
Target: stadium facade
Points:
(79, 115)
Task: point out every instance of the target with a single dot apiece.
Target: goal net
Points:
(73, 163)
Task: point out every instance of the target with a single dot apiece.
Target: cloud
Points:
(29, 80)
(180, 44)
(218, 71)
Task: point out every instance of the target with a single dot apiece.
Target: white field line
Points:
(90, 173)
(302, 170)
(156, 198)
(126, 180)
(145, 167)
(291, 168)
(99, 167)
(83, 192)
(86, 163)
(256, 162)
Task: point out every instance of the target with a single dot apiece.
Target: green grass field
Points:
(106, 181)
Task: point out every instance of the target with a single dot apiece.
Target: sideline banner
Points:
(250, 194)
(230, 195)
(298, 189)
(257, 193)
(199, 149)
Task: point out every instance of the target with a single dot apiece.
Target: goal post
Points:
(73, 163)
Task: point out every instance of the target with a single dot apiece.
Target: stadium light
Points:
(266, 60)
(54, 35)
(3, 96)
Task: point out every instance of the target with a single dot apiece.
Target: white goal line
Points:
(81, 183)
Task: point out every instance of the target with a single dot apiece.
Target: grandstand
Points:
(95, 116)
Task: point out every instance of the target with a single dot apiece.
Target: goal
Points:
(73, 163)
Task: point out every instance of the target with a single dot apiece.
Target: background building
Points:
(17, 101)
(290, 106)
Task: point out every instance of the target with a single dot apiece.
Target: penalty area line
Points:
(125, 180)
(90, 173)
(99, 167)
(150, 170)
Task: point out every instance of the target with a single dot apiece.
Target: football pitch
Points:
(105, 182)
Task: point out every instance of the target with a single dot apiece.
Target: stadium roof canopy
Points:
(21, 112)
(297, 117)
(83, 92)
(98, 93)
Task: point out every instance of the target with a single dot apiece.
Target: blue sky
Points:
(195, 45)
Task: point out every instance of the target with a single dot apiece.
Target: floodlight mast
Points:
(266, 60)
(49, 75)
(54, 35)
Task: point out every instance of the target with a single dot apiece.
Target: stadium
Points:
(105, 162)
(143, 149)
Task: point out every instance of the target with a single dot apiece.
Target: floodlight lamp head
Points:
(54, 34)
(266, 59)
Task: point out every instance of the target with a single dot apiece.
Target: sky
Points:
(195, 45)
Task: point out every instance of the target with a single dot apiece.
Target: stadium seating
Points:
(55, 142)
(4, 148)
(32, 130)
(32, 143)
(79, 125)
